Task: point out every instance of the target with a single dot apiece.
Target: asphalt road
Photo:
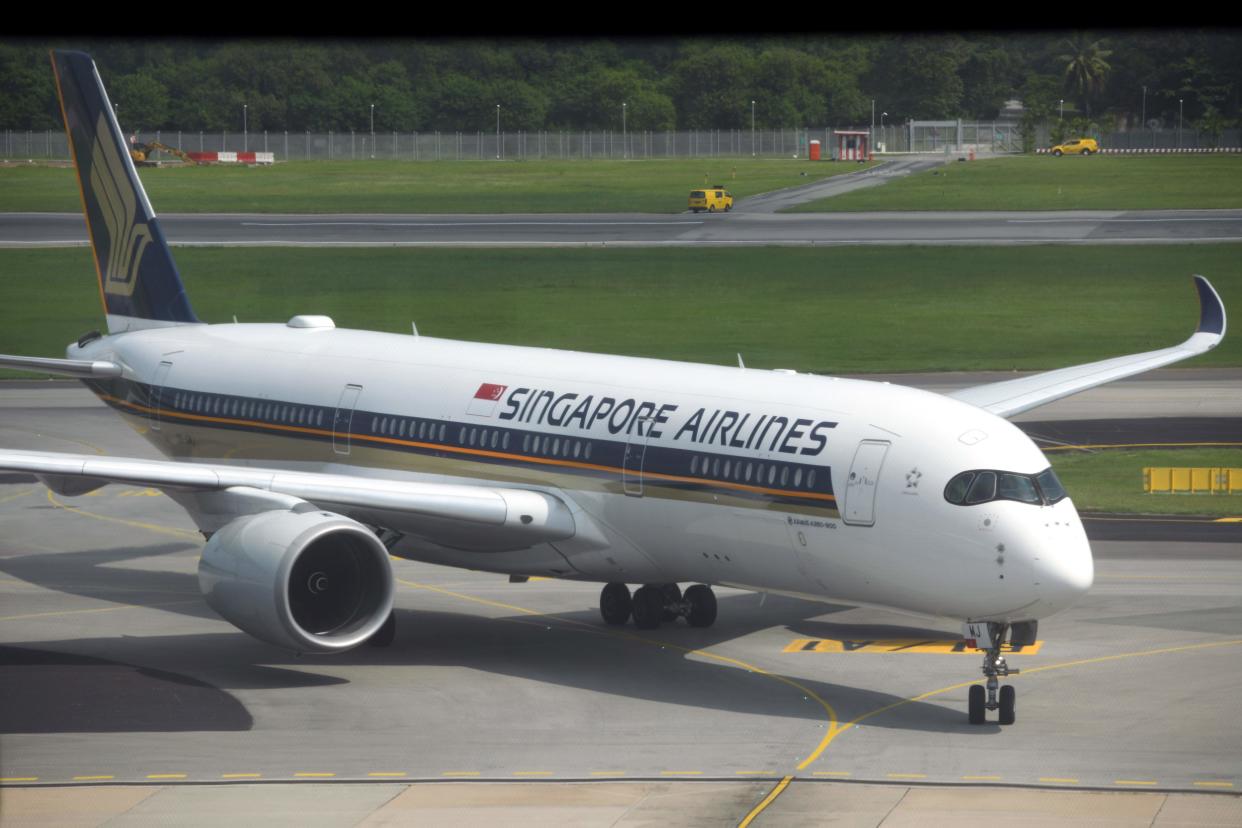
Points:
(746, 226)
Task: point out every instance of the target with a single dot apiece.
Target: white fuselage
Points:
(771, 481)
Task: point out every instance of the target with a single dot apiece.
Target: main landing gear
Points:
(994, 667)
(653, 603)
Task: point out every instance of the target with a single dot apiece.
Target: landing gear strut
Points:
(994, 667)
(652, 604)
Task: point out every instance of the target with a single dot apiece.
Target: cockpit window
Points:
(1016, 487)
(983, 486)
(983, 489)
(1050, 486)
(955, 492)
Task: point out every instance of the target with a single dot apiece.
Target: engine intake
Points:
(308, 581)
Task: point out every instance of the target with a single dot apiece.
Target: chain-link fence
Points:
(918, 136)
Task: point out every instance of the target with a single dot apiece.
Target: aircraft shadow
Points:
(118, 684)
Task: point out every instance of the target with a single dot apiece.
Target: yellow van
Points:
(1079, 146)
(711, 199)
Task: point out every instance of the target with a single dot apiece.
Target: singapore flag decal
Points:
(484, 402)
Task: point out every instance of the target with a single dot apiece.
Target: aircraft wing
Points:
(464, 517)
(1015, 396)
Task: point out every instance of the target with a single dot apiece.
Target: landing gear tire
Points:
(615, 604)
(387, 632)
(648, 607)
(1007, 697)
(702, 603)
(994, 668)
(672, 602)
(977, 704)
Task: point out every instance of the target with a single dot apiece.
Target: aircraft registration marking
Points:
(897, 645)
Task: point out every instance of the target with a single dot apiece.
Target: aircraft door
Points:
(635, 456)
(860, 485)
(157, 392)
(344, 418)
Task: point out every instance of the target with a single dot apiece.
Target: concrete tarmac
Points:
(741, 227)
(522, 707)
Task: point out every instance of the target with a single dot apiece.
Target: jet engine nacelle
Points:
(305, 580)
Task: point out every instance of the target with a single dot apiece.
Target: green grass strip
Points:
(825, 310)
(1111, 480)
(425, 187)
(1039, 182)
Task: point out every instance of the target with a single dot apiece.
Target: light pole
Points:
(625, 145)
(1179, 123)
(752, 129)
(873, 121)
(245, 128)
(883, 138)
(1061, 116)
(372, 130)
(497, 132)
(1144, 106)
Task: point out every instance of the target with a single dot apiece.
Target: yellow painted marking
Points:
(982, 778)
(833, 727)
(765, 802)
(241, 776)
(897, 645)
(139, 493)
(1218, 520)
(19, 779)
(1214, 784)
(906, 775)
(836, 731)
(460, 773)
(314, 775)
(91, 778)
(167, 775)
(1059, 780)
(152, 527)
(387, 774)
(681, 773)
(1088, 446)
(16, 496)
(831, 773)
(1134, 782)
(532, 773)
(100, 609)
(754, 773)
(607, 773)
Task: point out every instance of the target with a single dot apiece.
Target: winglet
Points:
(1211, 308)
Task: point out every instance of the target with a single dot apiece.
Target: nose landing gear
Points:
(994, 668)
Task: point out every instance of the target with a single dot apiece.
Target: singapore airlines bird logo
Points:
(127, 238)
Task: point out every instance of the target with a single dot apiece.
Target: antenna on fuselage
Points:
(414, 327)
(740, 364)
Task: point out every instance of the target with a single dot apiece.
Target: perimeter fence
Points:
(917, 137)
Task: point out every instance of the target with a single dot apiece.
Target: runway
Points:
(741, 227)
(115, 672)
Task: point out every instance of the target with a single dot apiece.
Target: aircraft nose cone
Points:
(1065, 570)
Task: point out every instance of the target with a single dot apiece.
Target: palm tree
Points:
(1085, 67)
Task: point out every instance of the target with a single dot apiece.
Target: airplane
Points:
(307, 455)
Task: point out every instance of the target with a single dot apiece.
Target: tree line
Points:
(1108, 78)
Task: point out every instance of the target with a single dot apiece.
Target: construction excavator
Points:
(141, 153)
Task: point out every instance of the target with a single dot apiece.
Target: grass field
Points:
(1038, 182)
(424, 187)
(1112, 481)
(825, 310)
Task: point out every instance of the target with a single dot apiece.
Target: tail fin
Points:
(138, 280)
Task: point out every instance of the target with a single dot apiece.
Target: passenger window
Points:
(810, 479)
(587, 451)
(694, 465)
(798, 479)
